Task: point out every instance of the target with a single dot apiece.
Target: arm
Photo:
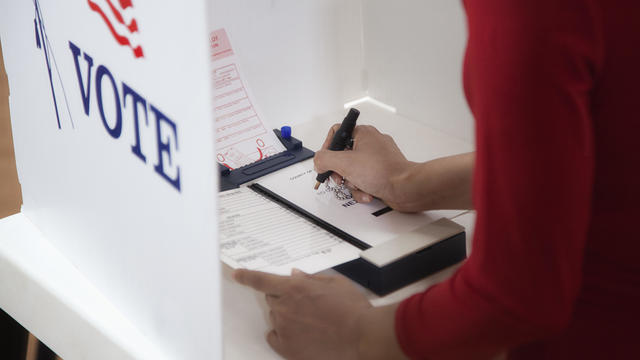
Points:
(529, 73)
(376, 334)
(443, 183)
(376, 167)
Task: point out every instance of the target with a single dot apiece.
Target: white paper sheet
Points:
(295, 183)
(242, 136)
(259, 234)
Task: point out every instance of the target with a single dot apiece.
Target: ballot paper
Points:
(259, 234)
(373, 223)
(241, 133)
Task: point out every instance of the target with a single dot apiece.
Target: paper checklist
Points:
(241, 133)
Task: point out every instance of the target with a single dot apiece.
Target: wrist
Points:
(376, 337)
(402, 194)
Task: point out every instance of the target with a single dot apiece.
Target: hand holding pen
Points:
(372, 167)
(342, 138)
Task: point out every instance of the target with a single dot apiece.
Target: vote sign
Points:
(112, 123)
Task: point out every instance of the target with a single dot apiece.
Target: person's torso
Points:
(607, 311)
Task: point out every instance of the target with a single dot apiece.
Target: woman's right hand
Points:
(376, 167)
(371, 168)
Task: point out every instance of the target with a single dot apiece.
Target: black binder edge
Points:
(309, 216)
(404, 271)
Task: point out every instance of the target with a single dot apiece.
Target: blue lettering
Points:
(166, 129)
(117, 128)
(136, 100)
(84, 93)
(164, 147)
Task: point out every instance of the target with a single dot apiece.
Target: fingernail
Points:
(366, 198)
(295, 271)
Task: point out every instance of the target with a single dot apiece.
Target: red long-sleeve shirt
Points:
(554, 271)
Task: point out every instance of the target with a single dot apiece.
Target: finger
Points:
(298, 272)
(357, 131)
(349, 185)
(337, 178)
(274, 341)
(361, 132)
(337, 161)
(329, 278)
(261, 281)
(332, 131)
(361, 196)
(295, 272)
(271, 300)
(323, 278)
(272, 318)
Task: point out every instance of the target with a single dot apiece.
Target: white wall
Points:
(302, 58)
(413, 57)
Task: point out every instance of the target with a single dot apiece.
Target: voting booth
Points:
(111, 114)
(323, 58)
(114, 107)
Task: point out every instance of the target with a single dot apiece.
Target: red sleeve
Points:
(529, 71)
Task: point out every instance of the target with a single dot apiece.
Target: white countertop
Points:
(245, 311)
(53, 300)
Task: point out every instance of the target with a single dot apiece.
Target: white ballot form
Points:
(373, 223)
(280, 222)
(259, 234)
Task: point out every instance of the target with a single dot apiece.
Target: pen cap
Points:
(342, 137)
(349, 121)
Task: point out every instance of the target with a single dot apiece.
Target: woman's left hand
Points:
(313, 316)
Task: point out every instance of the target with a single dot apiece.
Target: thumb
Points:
(295, 272)
(337, 161)
(298, 272)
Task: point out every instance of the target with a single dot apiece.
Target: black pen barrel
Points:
(341, 139)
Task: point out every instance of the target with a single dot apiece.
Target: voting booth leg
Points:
(13, 338)
(386, 279)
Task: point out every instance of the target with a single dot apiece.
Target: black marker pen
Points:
(341, 139)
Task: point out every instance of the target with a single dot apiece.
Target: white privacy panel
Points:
(111, 111)
(413, 51)
(302, 58)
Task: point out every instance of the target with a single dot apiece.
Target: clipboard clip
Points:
(294, 153)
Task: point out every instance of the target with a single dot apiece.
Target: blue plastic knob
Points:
(285, 132)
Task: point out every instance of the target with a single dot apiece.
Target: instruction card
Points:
(241, 134)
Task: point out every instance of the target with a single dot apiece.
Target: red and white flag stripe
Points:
(118, 16)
